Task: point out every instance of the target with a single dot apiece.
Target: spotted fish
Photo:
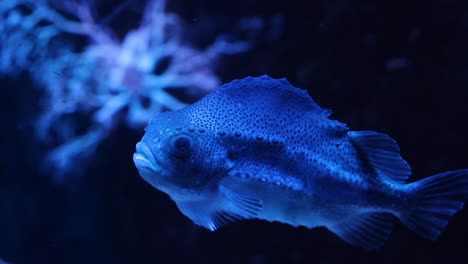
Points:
(259, 148)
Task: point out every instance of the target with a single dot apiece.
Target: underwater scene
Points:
(204, 131)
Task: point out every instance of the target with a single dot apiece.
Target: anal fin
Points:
(368, 230)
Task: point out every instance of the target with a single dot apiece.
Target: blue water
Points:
(394, 67)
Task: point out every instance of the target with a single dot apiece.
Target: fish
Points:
(260, 148)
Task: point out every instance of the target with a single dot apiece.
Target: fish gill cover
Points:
(106, 81)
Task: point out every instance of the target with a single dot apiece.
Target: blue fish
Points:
(260, 148)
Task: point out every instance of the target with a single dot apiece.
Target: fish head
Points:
(176, 158)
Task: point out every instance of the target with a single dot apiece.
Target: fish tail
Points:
(436, 199)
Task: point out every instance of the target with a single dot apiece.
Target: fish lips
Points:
(146, 163)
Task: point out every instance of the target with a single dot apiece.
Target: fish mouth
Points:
(144, 159)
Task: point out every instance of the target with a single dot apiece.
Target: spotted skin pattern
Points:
(260, 148)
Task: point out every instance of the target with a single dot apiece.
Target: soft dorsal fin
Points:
(382, 153)
(368, 230)
(228, 207)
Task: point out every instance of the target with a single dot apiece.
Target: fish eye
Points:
(182, 146)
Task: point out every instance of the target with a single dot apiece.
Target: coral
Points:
(107, 81)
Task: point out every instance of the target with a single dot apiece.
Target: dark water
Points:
(394, 67)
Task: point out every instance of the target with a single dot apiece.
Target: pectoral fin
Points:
(227, 207)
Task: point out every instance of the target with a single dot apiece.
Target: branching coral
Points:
(108, 81)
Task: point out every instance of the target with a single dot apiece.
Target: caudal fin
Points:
(437, 198)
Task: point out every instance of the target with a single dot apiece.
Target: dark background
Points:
(342, 52)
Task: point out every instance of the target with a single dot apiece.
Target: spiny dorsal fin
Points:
(262, 97)
(382, 153)
(369, 230)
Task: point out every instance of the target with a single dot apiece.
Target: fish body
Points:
(261, 148)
